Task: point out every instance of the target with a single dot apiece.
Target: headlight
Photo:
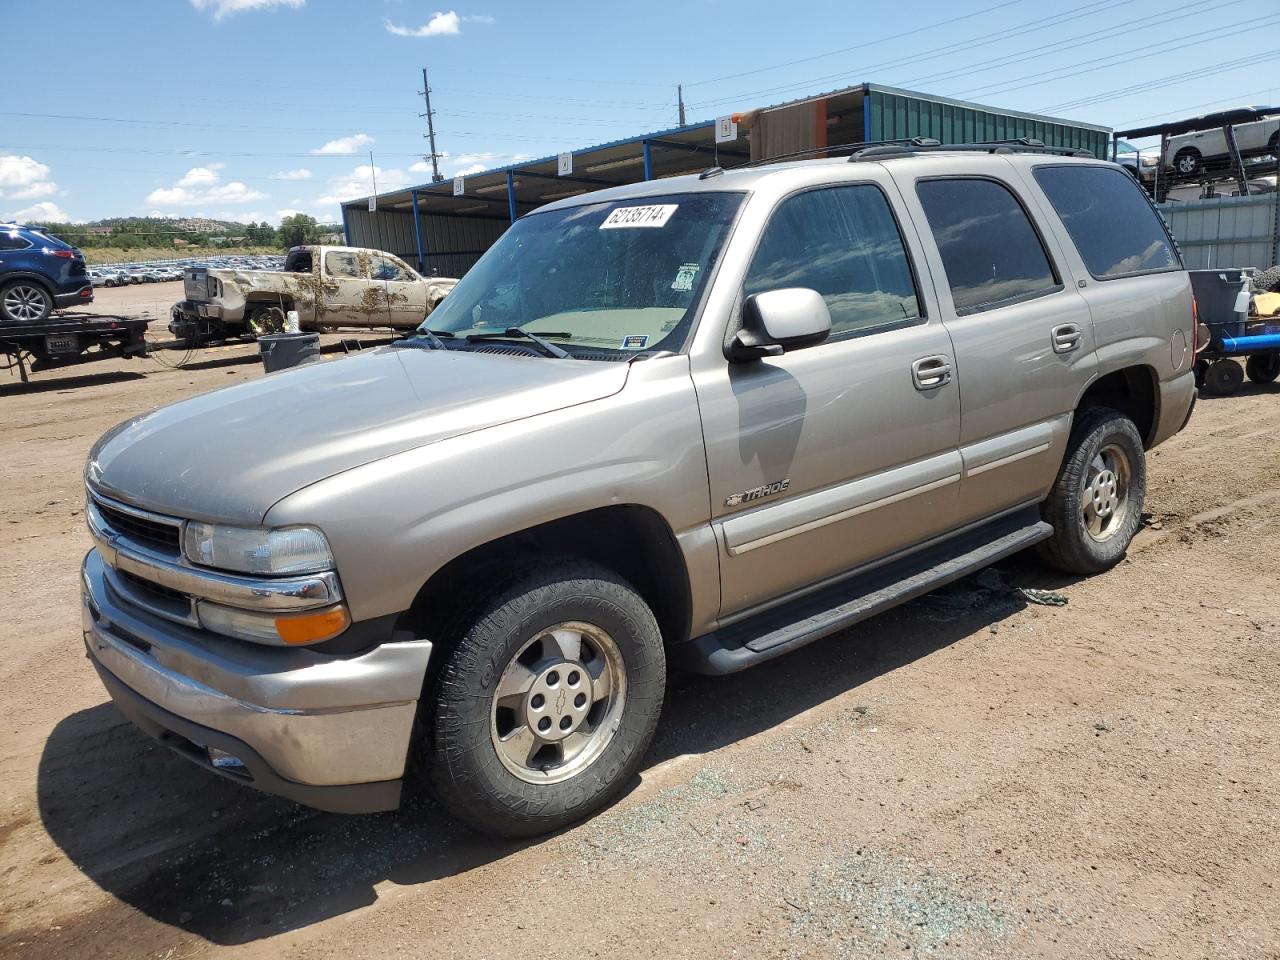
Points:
(1148, 161)
(257, 550)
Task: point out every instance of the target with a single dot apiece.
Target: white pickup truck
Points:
(329, 287)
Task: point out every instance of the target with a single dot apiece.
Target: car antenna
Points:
(377, 229)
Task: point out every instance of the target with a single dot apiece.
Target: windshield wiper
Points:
(549, 348)
(433, 338)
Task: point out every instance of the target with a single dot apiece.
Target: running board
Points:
(833, 608)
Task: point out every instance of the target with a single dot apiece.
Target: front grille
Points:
(159, 590)
(151, 533)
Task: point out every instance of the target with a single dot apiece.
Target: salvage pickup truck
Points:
(330, 287)
(700, 421)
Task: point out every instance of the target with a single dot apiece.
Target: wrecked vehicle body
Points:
(329, 287)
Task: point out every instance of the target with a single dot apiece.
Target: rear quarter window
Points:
(1109, 219)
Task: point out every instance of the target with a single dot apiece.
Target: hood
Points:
(232, 454)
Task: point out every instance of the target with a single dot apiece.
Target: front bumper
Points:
(331, 732)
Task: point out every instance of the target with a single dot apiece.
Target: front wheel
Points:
(546, 704)
(1095, 506)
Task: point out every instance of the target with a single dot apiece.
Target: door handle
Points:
(930, 372)
(1066, 337)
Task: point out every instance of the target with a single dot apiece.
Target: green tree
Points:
(299, 229)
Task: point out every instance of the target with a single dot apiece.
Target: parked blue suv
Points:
(38, 273)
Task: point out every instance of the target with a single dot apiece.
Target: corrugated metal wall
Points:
(1225, 231)
(892, 116)
(392, 230)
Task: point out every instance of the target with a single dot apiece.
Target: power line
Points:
(1235, 63)
(1057, 19)
(857, 46)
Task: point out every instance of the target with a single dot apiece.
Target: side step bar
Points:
(844, 603)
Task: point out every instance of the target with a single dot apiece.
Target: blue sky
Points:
(250, 109)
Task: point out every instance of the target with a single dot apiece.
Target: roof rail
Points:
(923, 145)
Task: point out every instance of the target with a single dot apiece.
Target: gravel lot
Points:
(972, 775)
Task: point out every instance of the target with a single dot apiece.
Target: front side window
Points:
(619, 276)
(844, 243)
(1110, 221)
(343, 264)
(990, 251)
(385, 268)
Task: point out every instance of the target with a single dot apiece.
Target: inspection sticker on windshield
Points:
(684, 277)
(655, 215)
(635, 341)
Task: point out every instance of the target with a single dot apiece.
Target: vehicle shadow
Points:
(220, 861)
(1247, 389)
(67, 383)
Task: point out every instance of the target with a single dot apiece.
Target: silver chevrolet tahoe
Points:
(695, 422)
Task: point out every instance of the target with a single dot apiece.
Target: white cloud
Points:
(359, 183)
(41, 211)
(201, 176)
(202, 185)
(465, 164)
(222, 8)
(343, 146)
(302, 173)
(24, 178)
(440, 25)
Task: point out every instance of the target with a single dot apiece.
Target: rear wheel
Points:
(1263, 368)
(25, 301)
(1095, 506)
(547, 701)
(1224, 377)
(265, 318)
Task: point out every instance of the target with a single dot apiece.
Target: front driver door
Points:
(402, 292)
(826, 458)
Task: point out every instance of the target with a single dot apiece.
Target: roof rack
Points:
(884, 149)
(928, 145)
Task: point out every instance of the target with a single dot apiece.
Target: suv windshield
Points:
(622, 276)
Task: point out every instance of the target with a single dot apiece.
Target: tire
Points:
(1105, 463)
(1201, 370)
(1224, 377)
(1263, 367)
(1273, 146)
(476, 746)
(264, 319)
(1266, 281)
(25, 301)
(1188, 162)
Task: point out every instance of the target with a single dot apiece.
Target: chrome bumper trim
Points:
(283, 594)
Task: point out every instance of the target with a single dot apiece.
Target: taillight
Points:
(60, 254)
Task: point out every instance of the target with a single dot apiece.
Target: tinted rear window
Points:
(298, 261)
(990, 251)
(1110, 221)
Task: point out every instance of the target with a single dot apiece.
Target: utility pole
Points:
(679, 100)
(433, 156)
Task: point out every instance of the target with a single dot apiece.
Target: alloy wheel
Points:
(24, 301)
(1104, 503)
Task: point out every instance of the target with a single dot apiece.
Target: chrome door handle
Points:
(930, 372)
(1066, 337)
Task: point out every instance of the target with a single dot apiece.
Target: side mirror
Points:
(779, 320)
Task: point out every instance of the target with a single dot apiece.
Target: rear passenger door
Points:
(1022, 335)
(823, 459)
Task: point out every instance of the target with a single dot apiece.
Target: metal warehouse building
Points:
(445, 227)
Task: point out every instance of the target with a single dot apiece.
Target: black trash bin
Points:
(280, 351)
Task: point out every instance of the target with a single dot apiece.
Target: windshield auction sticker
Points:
(655, 215)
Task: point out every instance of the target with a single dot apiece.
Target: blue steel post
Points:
(346, 228)
(648, 161)
(511, 195)
(417, 233)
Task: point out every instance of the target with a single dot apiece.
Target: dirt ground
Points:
(972, 775)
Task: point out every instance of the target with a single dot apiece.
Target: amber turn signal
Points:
(313, 627)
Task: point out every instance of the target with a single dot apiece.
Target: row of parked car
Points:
(162, 271)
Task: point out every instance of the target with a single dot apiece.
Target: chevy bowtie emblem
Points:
(560, 702)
